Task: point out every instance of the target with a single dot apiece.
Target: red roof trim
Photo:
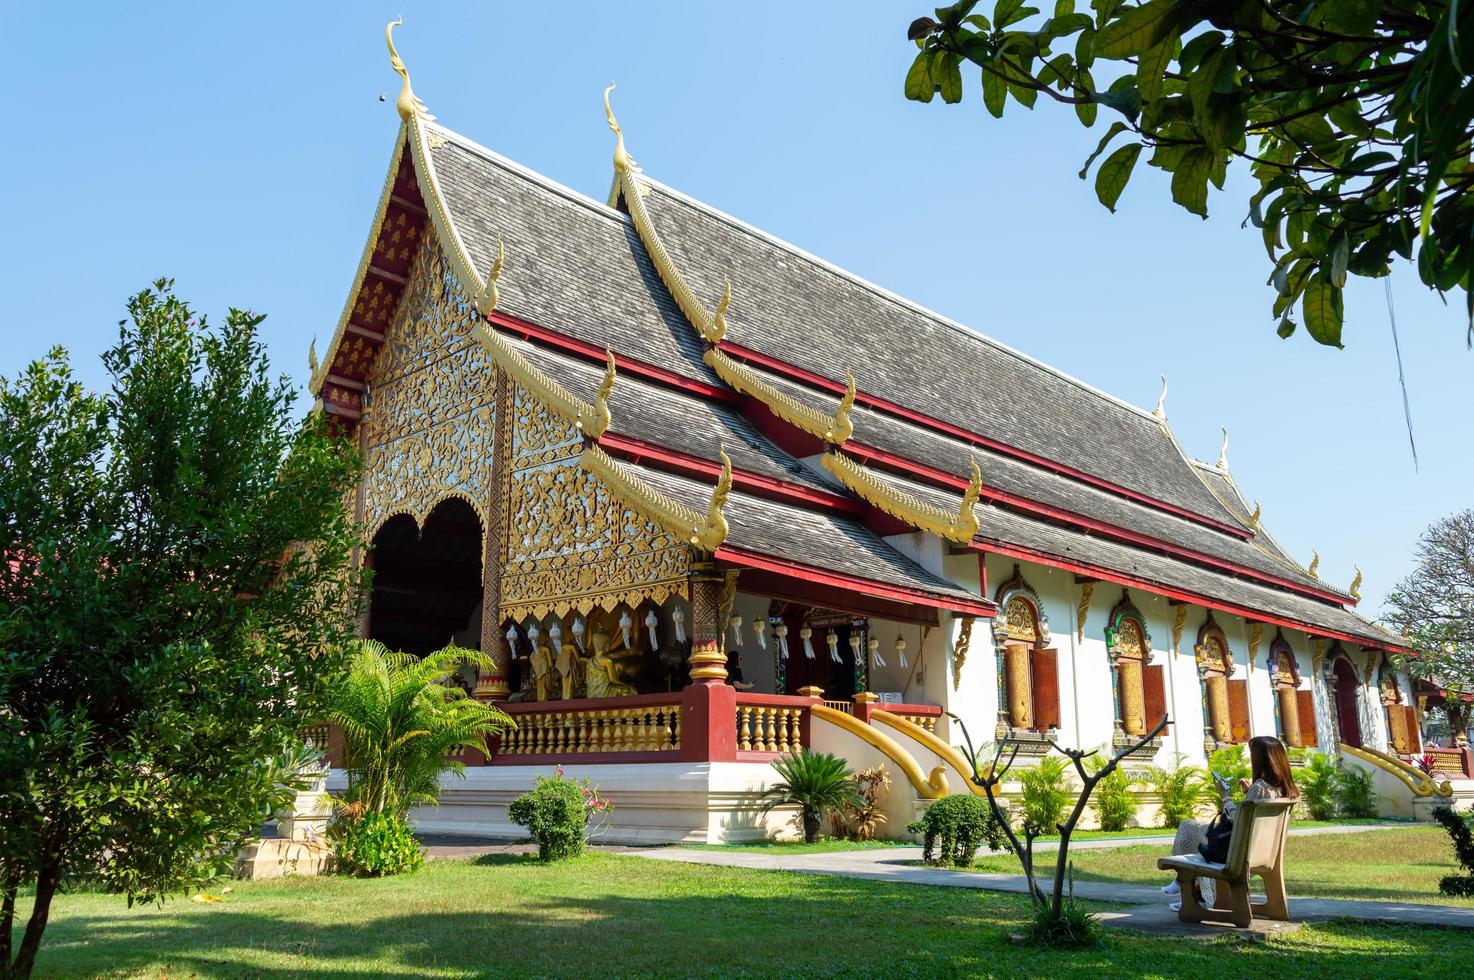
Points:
(941, 477)
(1096, 572)
(807, 573)
(946, 428)
(641, 452)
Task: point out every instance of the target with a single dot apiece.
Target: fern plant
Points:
(1045, 793)
(819, 782)
(1181, 789)
(401, 717)
(1317, 782)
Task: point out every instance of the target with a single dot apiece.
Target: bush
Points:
(1232, 764)
(1073, 928)
(372, 845)
(1354, 792)
(557, 815)
(1317, 782)
(1458, 827)
(819, 782)
(1115, 804)
(863, 821)
(1182, 790)
(1046, 793)
(960, 823)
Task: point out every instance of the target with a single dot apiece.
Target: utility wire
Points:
(1407, 411)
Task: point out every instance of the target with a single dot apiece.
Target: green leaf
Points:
(1111, 179)
(1151, 69)
(1340, 255)
(1086, 112)
(919, 87)
(1322, 308)
(995, 91)
(950, 81)
(1125, 99)
(1190, 180)
(1137, 29)
(1116, 129)
(1004, 10)
(1064, 7)
(1286, 328)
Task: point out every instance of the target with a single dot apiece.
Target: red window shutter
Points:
(1414, 730)
(1307, 718)
(1044, 665)
(1238, 710)
(1154, 694)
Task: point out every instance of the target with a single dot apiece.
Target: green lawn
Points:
(1401, 865)
(609, 914)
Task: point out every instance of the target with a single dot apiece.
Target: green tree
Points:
(1354, 116)
(174, 574)
(401, 717)
(1434, 606)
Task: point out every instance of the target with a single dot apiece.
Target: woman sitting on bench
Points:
(1270, 767)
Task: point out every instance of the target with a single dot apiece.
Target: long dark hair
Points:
(1268, 761)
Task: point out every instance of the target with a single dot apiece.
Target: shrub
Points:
(960, 823)
(1427, 765)
(1354, 792)
(557, 814)
(1231, 763)
(1317, 782)
(373, 844)
(1046, 793)
(861, 822)
(1181, 789)
(1115, 804)
(1073, 928)
(819, 782)
(1460, 885)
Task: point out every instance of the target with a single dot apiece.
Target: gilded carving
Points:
(1086, 591)
(429, 433)
(959, 648)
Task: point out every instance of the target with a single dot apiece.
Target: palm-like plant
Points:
(1181, 789)
(818, 782)
(401, 718)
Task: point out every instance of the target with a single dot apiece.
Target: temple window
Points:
(1028, 667)
(1225, 700)
(1141, 690)
(1295, 708)
(1403, 729)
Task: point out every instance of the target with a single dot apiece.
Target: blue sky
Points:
(241, 150)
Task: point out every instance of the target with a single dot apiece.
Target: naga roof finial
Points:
(843, 428)
(1355, 590)
(408, 103)
(594, 423)
(1254, 517)
(1161, 410)
(1314, 564)
(719, 318)
(487, 296)
(622, 161)
(710, 535)
(1223, 452)
(312, 358)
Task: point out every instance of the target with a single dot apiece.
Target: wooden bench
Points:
(1257, 847)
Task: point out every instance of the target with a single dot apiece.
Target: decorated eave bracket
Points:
(704, 532)
(832, 430)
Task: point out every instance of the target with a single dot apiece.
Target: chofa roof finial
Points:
(622, 159)
(1355, 590)
(1223, 451)
(1161, 410)
(408, 104)
(1314, 568)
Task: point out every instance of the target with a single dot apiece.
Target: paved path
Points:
(1147, 908)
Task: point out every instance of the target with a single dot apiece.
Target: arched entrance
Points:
(427, 581)
(1348, 718)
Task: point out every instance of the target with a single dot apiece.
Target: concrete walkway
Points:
(1147, 906)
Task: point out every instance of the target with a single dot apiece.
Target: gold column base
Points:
(866, 697)
(491, 689)
(811, 691)
(708, 662)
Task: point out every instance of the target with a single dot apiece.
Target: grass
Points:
(612, 914)
(1401, 865)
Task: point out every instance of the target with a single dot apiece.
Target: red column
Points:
(708, 722)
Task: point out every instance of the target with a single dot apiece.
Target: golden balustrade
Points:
(929, 722)
(844, 706)
(585, 731)
(769, 728)
(1448, 762)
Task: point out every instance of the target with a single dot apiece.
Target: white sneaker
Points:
(1175, 906)
(1172, 889)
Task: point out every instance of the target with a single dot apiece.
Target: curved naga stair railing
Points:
(943, 751)
(1417, 781)
(932, 786)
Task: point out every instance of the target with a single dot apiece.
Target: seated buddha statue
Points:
(611, 672)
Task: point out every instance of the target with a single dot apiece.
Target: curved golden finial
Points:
(718, 328)
(1314, 564)
(1223, 451)
(595, 420)
(1254, 517)
(1355, 590)
(487, 297)
(408, 103)
(622, 160)
(966, 524)
(959, 526)
(709, 536)
(312, 358)
(840, 432)
(1161, 410)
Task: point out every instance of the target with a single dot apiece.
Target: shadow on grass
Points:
(511, 915)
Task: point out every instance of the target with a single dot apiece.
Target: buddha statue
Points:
(611, 672)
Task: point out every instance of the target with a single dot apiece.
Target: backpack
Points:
(1216, 838)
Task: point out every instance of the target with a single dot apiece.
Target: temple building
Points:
(705, 498)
